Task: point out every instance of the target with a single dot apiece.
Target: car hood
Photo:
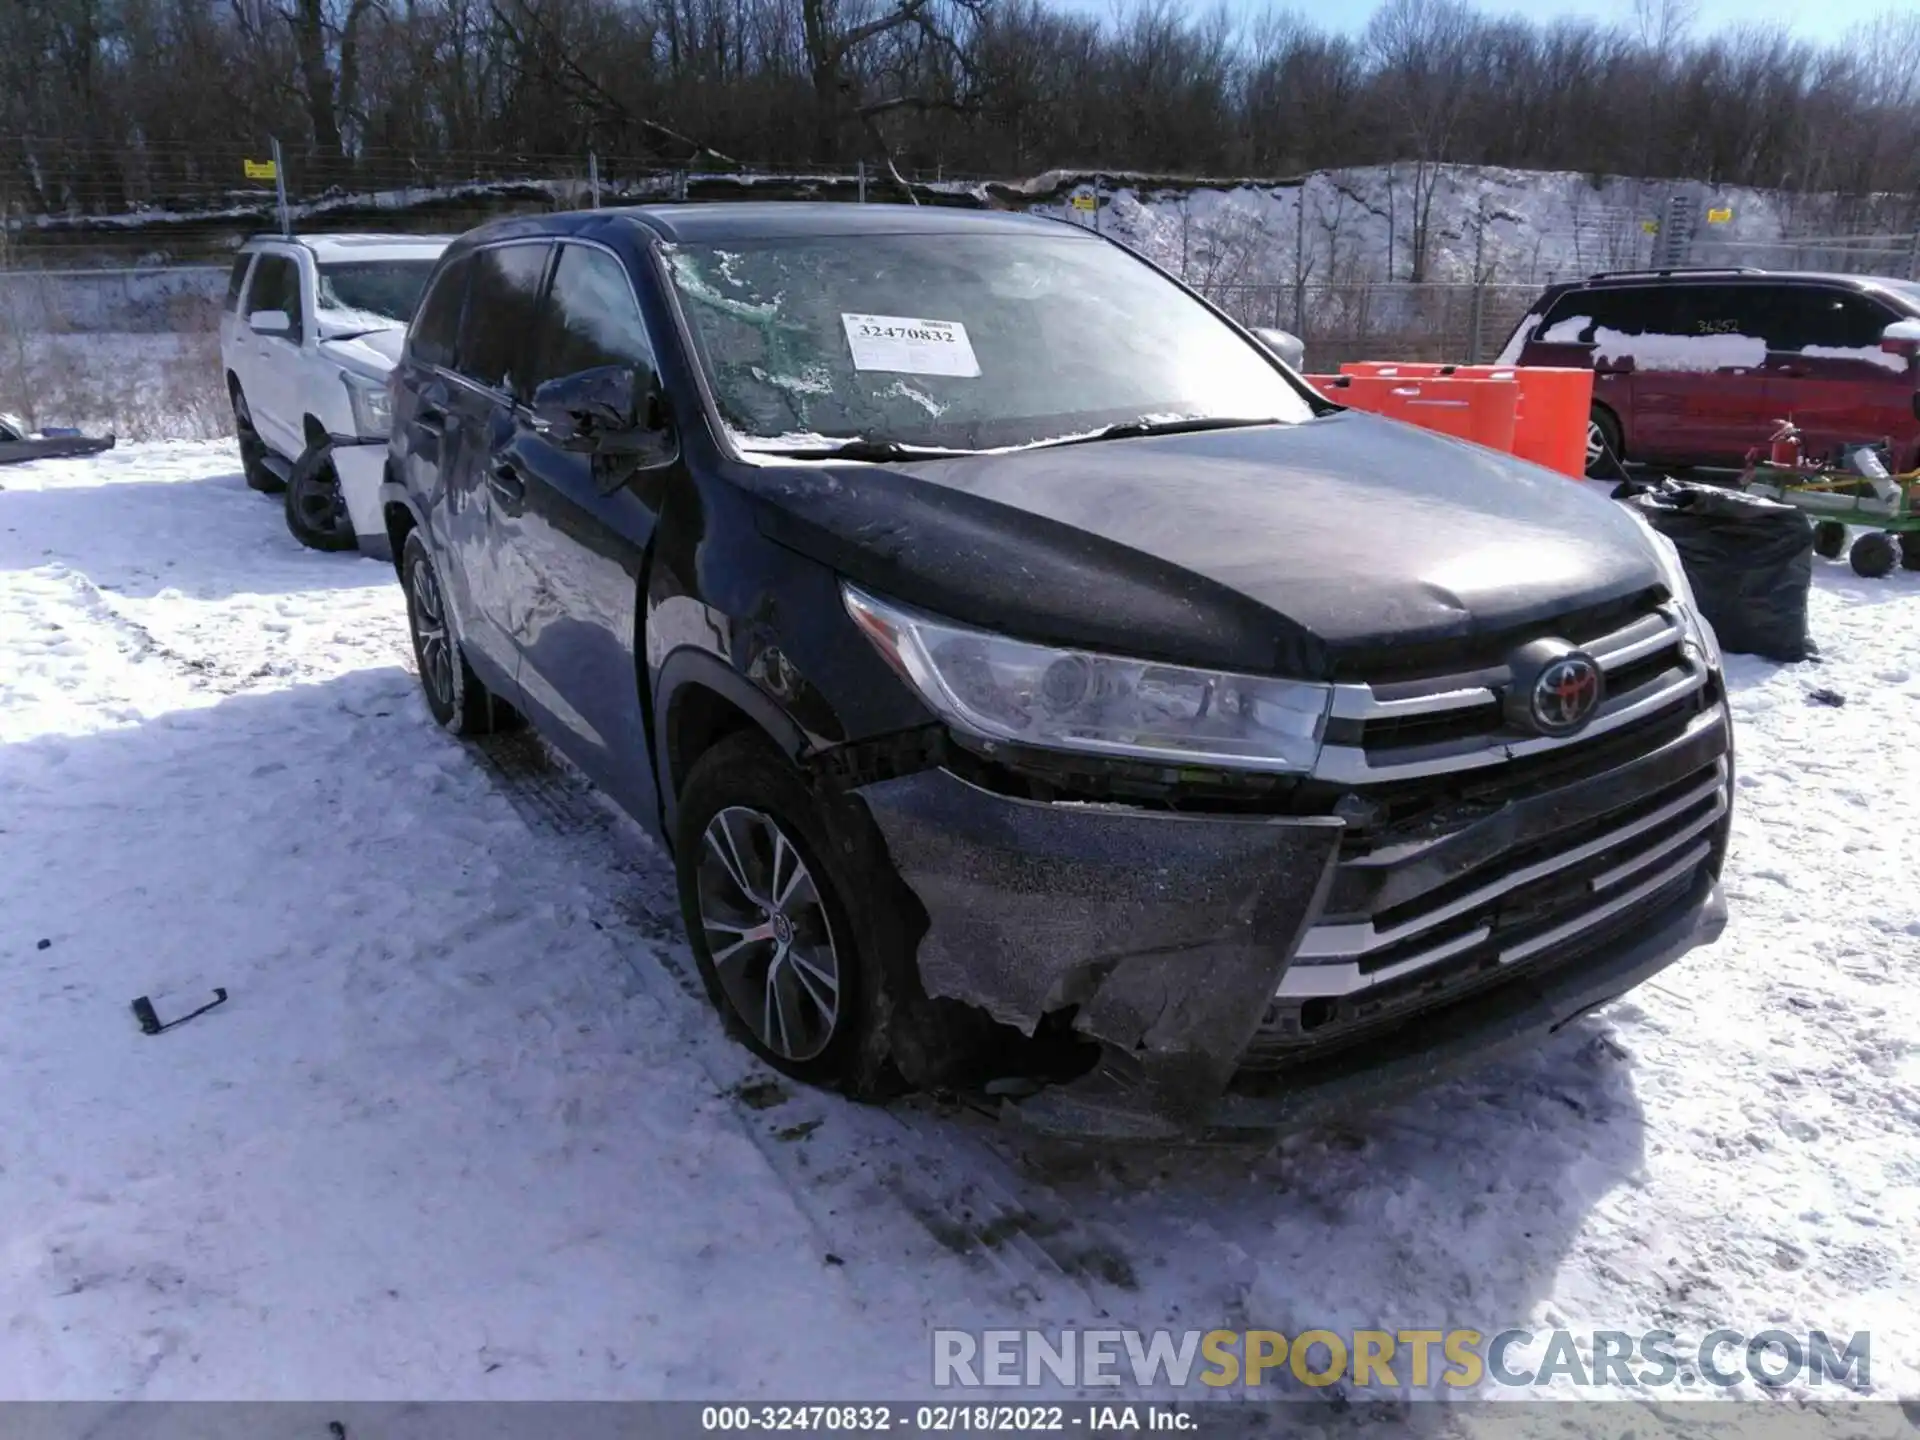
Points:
(1277, 549)
(371, 352)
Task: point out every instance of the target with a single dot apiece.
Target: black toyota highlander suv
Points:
(1041, 691)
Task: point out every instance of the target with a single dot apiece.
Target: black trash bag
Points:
(1749, 560)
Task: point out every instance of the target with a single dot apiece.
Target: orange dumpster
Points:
(1550, 423)
(1397, 369)
(1478, 410)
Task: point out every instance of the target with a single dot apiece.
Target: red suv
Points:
(1697, 367)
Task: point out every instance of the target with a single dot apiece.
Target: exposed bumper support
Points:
(1471, 1033)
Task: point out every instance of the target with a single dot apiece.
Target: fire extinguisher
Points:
(1785, 446)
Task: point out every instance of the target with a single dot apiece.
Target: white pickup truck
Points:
(311, 329)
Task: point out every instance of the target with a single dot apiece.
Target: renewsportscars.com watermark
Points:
(1395, 1359)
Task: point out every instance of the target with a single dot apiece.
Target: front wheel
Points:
(459, 702)
(764, 891)
(316, 510)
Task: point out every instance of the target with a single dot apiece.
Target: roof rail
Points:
(1678, 270)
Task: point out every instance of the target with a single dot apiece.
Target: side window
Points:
(276, 286)
(590, 319)
(436, 326)
(1751, 312)
(502, 302)
(1572, 319)
(1833, 319)
(237, 280)
(1648, 310)
(1580, 315)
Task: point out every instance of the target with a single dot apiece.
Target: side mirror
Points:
(1287, 348)
(1901, 338)
(611, 411)
(270, 322)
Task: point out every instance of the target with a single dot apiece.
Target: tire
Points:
(253, 450)
(1872, 555)
(316, 511)
(459, 702)
(1603, 445)
(1910, 551)
(801, 984)
(1829, 539)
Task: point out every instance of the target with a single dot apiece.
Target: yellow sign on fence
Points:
(1720, 216)
(1652, 227)
(1085, 202)
(260, 169)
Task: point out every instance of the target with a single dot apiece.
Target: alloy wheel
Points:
(429, 617)
(768, 934)
(1596, 445)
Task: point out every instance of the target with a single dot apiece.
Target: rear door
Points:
(1827, 373)
(576, 536)
(503, 293)
(1699, 373)
(236, 347)
(424, 450)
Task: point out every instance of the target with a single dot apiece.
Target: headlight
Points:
(1675, 574)
(372, 406)
(1000, 689)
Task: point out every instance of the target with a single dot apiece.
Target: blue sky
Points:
(1816, 20)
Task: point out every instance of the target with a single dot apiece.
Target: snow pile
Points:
(466, 1127)
(1496, 225)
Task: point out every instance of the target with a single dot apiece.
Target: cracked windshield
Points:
(958, 342)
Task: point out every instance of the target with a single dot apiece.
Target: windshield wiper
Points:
(1133, 429)
(864, 448)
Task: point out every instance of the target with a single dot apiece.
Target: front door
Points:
(577, 534)
(1827, 373)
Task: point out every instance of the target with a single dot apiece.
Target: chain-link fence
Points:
(132, 243)
(1462, 323)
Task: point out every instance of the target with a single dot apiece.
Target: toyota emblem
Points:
(1565, 694)
(1554, 688)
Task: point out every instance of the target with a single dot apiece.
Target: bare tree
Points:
(1424, 51)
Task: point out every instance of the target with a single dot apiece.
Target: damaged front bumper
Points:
(1167, 937)
(361, 466)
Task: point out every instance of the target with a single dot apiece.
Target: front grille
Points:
(1494, 906)
(1379, 732)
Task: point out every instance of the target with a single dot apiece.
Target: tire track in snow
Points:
(141, 643)
(920, 1177)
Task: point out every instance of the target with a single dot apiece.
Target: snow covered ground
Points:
(465, 1129)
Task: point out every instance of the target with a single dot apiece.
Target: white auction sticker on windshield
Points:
(908, 346)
